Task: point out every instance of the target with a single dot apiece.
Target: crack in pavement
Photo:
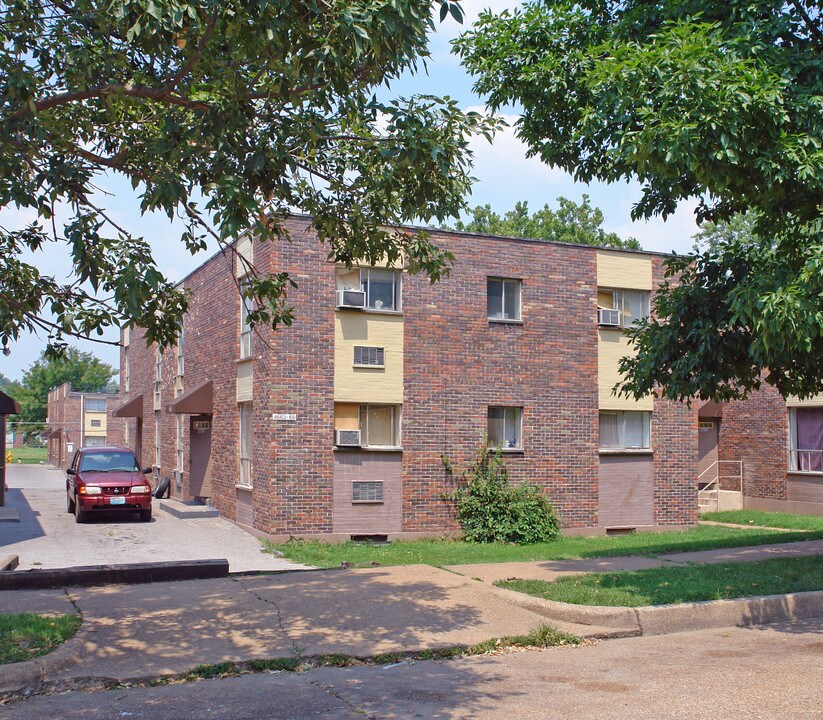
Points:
(337, 696)
(296, 650)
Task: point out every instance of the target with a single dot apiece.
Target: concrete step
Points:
(187, 509)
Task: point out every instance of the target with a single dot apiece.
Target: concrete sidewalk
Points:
(134, 632)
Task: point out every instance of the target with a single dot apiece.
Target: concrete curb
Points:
(615, 621)
(130, 573)
(187, 511)
(29, 676)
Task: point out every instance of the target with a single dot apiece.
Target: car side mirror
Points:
(71, 471)
(146, 471)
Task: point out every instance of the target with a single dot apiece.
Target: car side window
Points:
(75, 459)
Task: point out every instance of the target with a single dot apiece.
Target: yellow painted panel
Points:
(612, 345)
(624, 270)
(346, 416)
(245, 381)
(95, 430)
(368, 385)
(245, 255)
(814, 401)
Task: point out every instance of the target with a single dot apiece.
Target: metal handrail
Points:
(715, 480)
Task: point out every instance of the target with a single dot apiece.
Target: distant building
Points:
(80, 419)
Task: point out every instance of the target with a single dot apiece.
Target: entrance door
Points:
(200, 456)
(707, 436)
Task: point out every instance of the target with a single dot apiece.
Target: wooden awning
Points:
(49, 434)
(8, 406)
(130, 408)
(197, 401)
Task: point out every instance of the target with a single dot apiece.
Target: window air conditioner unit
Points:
(348, 438)
(609, 318)
(351, 298)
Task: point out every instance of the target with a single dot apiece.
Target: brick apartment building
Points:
(339, 425)
(77, 419)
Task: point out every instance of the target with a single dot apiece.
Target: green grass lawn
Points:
(767, 519)
(453, 552)
(680, 584)
(26, 636)
(29, 455)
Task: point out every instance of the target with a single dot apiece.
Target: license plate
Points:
(117, 501)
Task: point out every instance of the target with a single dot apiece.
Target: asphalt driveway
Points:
(48, 537)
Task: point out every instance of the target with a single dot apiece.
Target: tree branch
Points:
(813, 28)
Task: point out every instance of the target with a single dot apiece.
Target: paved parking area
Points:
(48, 537)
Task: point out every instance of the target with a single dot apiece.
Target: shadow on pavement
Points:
(29, 526)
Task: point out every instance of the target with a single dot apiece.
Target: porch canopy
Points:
(130, 408)
(8, 406)
(197, 401)
(49, 434)
(710, 409)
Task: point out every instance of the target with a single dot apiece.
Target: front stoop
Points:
(187, 509)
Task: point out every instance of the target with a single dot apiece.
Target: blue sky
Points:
(504, 176)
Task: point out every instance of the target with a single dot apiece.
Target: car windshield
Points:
(108, 462)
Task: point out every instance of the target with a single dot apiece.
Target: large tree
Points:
(84, 371)
(571, 223)
(227, 114)
(718, 100)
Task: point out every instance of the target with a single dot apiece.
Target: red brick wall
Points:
(756, 431)
(457, 363)
(674, 441)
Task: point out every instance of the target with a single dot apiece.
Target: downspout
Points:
(82, 420)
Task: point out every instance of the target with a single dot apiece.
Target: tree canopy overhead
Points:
(572, 222)
(227, 114)
(721, 101)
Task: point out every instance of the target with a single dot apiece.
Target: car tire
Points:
(80, 516)
(162, 487)
(69, 503)
(145, 515)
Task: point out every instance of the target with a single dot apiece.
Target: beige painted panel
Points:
(814, 401)
(624, 270)
(126, 336)
(612, 345)
(245, 252)
(346, 416)
(101, 429)
(245, 381)
(368, 385)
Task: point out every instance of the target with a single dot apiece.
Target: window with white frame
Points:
(625, 430)
(96, 405)
(503, 299)
(94, 441)
(623, 307)
(806, 439)
(505, 428)
(178, 436)
(246, 439)
(157, 438)
(382, 288)
(380, 426)
(181, 340)
(246, 332)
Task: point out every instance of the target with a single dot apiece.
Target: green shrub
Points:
(491, 509)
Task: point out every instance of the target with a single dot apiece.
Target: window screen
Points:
(363, 492)
(369, 356)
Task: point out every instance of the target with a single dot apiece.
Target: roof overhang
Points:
(49, 434)
(8, 406)
(130, 408)
(710, 409)
(197, 401)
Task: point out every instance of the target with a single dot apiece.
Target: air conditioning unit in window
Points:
(347, 438)
(608, 318)
(351, 298)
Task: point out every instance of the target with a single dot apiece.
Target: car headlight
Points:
(140, 489)
(89, 490)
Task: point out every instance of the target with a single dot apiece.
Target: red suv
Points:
(107, 478)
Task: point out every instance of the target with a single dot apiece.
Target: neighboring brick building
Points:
(339, 425)
(77, 419)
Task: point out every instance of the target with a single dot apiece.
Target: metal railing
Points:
(806, 460)
(713, 477)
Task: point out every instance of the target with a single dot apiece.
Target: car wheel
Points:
(145, 515)
(80, 516)
(69, 503)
